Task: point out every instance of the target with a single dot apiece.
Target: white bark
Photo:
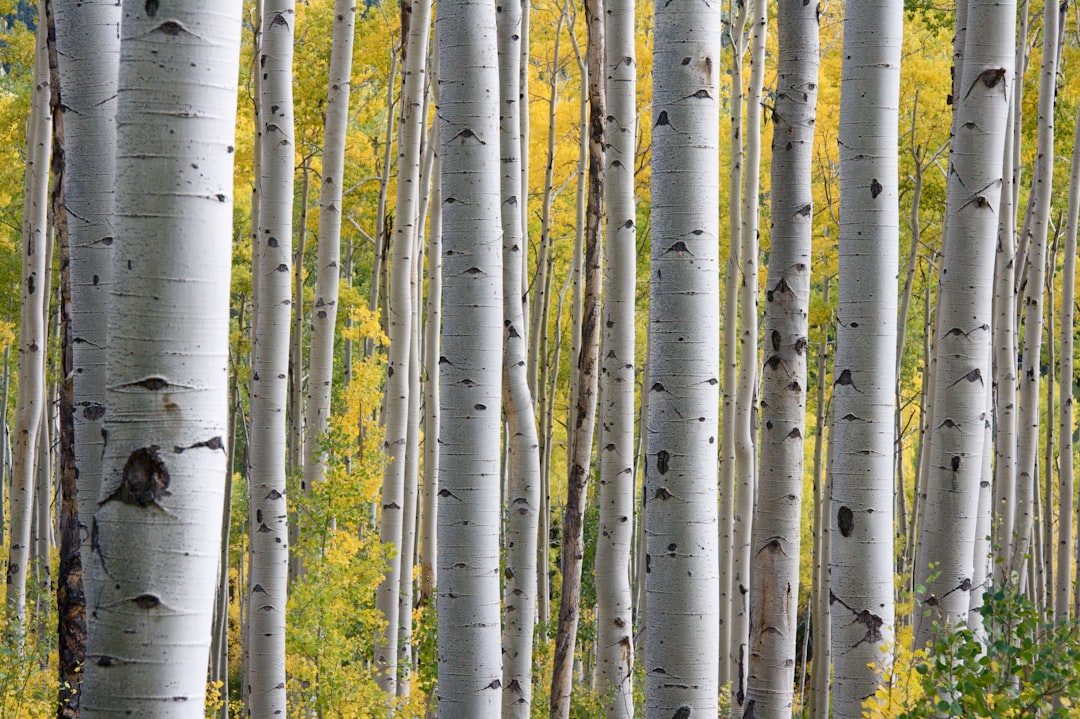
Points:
(1066, 482)
(1029, 416)
(156, 529)
(324, 312)
(682, 570)
(470, 668)
(746, 394)
(88, 51)
(407, 202)
(860, 520)
(777, 526)
(731, 348)
(268, 579)
(522, 447)
(948, 529)
(614, 620)
(32, 332)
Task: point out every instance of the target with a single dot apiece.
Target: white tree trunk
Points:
(324, 311)
(1030, 372)
(1066, 482)
(88, 51)
(268, 580)
(156, 530)
(947, 536)
(731, 350)
(682, 569)
(410, 132)
(522, 448)
(861, 516)
(777, 526)
(470, 667)
(614, 619)
(746, 395)
(33, 337)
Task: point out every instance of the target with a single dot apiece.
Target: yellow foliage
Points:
(900, 687)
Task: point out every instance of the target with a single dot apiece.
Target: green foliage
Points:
(1022, 666)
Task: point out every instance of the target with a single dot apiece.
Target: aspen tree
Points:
(746, 394)
(731, 345)
(522, 448)
(406, 214)
(470, 668)
(1027, 446)
(33, 335)
(944, 570)
(682, 570)
(584, 370)
(268, 579)
(1066, 481)
(614, 618)
(860, 520)
(774, 572)
(155, 531)
(324, 310)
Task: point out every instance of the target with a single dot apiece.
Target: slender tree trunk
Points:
(470, 668)
(1066, 481)
(583, 410)
(167, 368)
(774, 570)
(682, 567)
(731, 349)
(860, 520)
(32, 333)
(522, 449)
(614, 618)
(324, 310)
(746, 396)
(1030, 375)
(946, 540)
(821, 621)
(268, 578)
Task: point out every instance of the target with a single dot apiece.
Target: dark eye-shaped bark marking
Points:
(845, 519)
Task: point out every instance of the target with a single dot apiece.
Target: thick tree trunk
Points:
(774, 570)
(682, 567)
(268, 579)
(945, 563)
(168, 330)
(860, 520)
(470, 667)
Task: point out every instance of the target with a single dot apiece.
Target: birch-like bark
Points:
(746, 394)
(1027, 446)
(1066, 481)
(584, 372)
(88, 52)
(156, 530)
(1004, 339)
(470, 667)
(391, 523)
(777, 526)
(682, 568)
(522, 447)
(946, 539)
(821, 623)
(860, 520)
(731, 348)
(268, 579)
(614, 600)
(328, 277)
(32, 332)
